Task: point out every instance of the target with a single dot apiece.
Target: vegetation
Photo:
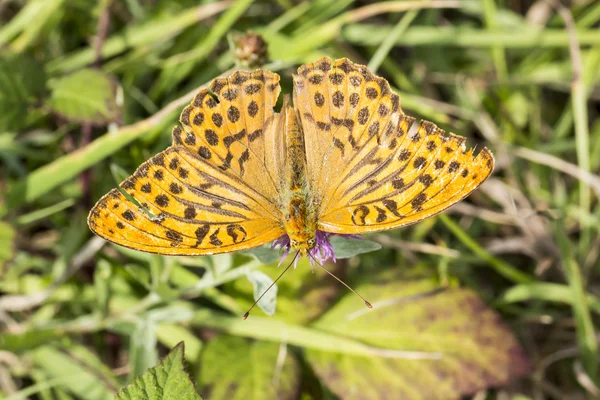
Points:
(496, 298)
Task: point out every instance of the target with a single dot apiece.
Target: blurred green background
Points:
(495, 299)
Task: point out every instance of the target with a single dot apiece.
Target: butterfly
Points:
(339, 158)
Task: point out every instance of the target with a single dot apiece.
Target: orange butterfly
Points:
(343, 159)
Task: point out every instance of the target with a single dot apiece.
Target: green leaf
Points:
(28, 340)
(7, 251)
(168, 380)
(550, 292)
(303, 294)
(343, 247)
(22, 81)
(518, 107)
(85, 96)
(474, 348)
(265, 254)
(234, 368)
(346, 247)
(33, 23)
(260, 283)
(170, 334)
(79, 371)
(142, 347)
(221, 263)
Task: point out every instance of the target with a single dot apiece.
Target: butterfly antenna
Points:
(340, 281)
(271, 285)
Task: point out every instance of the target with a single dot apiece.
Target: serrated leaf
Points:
(346, 247)
(168, 380)
(79, 371)
(233, 368)
(84, 96)
(260, 283)
(476, 350)
(22, 81)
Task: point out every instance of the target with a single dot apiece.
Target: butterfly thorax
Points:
(300, 217)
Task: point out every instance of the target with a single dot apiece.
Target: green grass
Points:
(526, 242)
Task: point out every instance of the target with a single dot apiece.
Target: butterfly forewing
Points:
(217, 189)
(236, 129)
(343, 108)
(368, 171)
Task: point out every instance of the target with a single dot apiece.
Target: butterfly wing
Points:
(215, 189)
(237, 131)
(368, 170)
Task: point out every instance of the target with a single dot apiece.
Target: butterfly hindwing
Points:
(436, 175)
(369, 168)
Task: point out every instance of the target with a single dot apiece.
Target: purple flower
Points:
(322, 251)
(283, 243)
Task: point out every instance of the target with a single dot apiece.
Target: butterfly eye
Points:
(294, 243)
(311, 243)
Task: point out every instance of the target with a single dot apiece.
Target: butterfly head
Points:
(316, 247)
(302, 243)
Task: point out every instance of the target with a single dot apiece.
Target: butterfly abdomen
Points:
(300, 221)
